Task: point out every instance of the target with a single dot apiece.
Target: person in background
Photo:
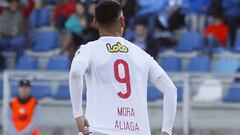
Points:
(91, 31)
(12, 28)
(23, 112)
(75, 26)
(91, 8)
(62, 12)
(215, 8)
(130, 8)
(80, 30)
(218, 30)
(216, 33)
(196, 14)
(28, 6)
(232, 16)
(141, 35)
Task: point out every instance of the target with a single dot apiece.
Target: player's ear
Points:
(95, 23)
(122, 21)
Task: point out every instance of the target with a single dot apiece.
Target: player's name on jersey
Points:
(118, 47)
(126, 125)
(125, 111)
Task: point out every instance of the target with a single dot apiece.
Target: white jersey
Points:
(117, 74)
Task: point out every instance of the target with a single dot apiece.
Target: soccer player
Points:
(117, 73)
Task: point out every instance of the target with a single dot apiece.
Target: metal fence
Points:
(189, 82)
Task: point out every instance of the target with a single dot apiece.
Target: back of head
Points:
(108, 12)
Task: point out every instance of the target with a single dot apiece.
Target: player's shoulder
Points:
(136, 48)
(86, 48)
(89, 44)
(132, 45)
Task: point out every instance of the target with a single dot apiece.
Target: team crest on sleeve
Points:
(78, 52)
(118, 47)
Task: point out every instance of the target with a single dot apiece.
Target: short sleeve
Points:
(81, 60)
(155, 70)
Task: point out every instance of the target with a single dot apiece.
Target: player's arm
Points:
(159, 78)
(79, 66)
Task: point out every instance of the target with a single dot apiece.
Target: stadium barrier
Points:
(189, 107)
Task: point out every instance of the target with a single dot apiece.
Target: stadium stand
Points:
(199, 64)
(171, 64)
(153, 94)
(237, 44)
(51, 2)
(41, 91)
(39, 18)
(58, 63)
(190, 41)
(179, 93)
(1, 89)
(209, 90)
(233, 95)
(62, 93)
(45, 41)
(14, 89)
(227, 65)
(27, 63)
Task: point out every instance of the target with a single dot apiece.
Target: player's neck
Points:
(112, 33)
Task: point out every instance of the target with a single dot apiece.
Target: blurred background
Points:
(196, 41)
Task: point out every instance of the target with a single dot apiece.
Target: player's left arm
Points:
(79, 66)
(159, 78)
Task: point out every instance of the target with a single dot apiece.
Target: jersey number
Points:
(125, 79)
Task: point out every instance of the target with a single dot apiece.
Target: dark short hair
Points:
(141, 22)
(107, 12)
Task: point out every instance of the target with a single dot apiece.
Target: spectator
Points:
(1, 9)
(12, 28)
(130, 9)
(63, 12)
(196, 14)
(28, 6)
(76, 25)
(231, 12)
(91, 31)
(216, 33)
(218, 30)
(143, 39)
(23, 112)
(141, 35)
(91, 8)
(215, 8)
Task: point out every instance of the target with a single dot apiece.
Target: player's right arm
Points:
(159, 78)
(79, 66)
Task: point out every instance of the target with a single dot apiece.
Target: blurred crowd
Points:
(151, 24)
